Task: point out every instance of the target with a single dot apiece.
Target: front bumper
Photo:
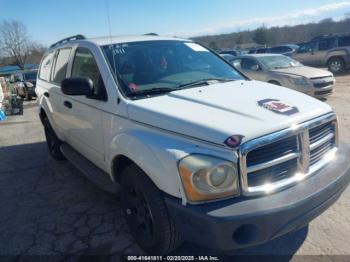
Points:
(316, 92)
(243, 222)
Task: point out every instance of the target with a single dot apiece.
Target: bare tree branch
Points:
(14, 41)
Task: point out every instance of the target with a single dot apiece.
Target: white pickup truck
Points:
(195, 149)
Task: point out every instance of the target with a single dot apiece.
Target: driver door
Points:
(252, 69)
(83, 116)
(306, 53)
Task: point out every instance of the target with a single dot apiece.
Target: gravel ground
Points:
(49, 208)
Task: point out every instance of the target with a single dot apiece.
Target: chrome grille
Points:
(322, 139)
(272, 151)
(273, 173)
(324, 84)
(283, 158)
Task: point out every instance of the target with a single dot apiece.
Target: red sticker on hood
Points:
(278, 106)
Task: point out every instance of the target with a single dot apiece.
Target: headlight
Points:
(208, 178)
(300, 81)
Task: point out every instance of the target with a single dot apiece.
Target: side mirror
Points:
(255, 68)
(77, 86)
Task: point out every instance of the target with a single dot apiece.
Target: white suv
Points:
(196, 150)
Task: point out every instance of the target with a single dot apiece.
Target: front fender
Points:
(157, 155)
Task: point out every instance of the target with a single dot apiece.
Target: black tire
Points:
(146, 213)
(336, 65)
(53, 142)
(27, 97)
(274, 82)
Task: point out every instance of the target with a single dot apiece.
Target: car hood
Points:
(215, 112)
(305, 71)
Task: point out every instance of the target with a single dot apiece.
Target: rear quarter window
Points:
(45, 67)
(61, 63)
(344, 41)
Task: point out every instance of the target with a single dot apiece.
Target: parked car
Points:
(230, 52)
(287, 50)
(229, 58)
(25, 83)
(332, 51)
(196, 150)
(258, 51)
(285, 71)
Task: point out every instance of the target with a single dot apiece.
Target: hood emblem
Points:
(278, 106)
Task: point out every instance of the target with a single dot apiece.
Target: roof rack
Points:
(71, 38)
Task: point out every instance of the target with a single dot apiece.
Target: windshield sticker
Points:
(196, 47)
(118, 48)
(133, 87)
(278, 106)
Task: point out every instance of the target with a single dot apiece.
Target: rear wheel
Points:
(336, 65)
(146, 213)
(53, 142)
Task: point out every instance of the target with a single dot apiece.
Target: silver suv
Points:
(332, 51)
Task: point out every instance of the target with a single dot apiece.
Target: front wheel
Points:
(146, 213)
(53, 142)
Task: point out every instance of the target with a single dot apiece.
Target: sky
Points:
(48, 21)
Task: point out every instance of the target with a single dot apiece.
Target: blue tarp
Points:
(2, 115)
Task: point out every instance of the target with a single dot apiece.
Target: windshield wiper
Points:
(205, 82)
(153, 91)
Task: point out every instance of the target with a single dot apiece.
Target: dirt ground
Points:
(49, 208)
(340, 101)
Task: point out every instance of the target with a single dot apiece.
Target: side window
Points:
(60, 69)
(306, 48)
(344, 41)
(249, 64)
(326, 44)
(45, 67)
(84, 65)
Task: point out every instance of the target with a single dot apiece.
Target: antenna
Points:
(110, 34)
(109, 20)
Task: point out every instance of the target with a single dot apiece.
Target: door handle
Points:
(47, 94)
(68, 104)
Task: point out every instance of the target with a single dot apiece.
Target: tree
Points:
(260, 36)
(213, 45)
(239, 39)
(14, 41)
(35, 53)
(347, 15)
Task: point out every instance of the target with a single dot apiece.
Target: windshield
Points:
(278, 62)
(30, 76)
(165, 66)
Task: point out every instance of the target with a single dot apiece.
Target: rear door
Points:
(83, 116)
(55, 95)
